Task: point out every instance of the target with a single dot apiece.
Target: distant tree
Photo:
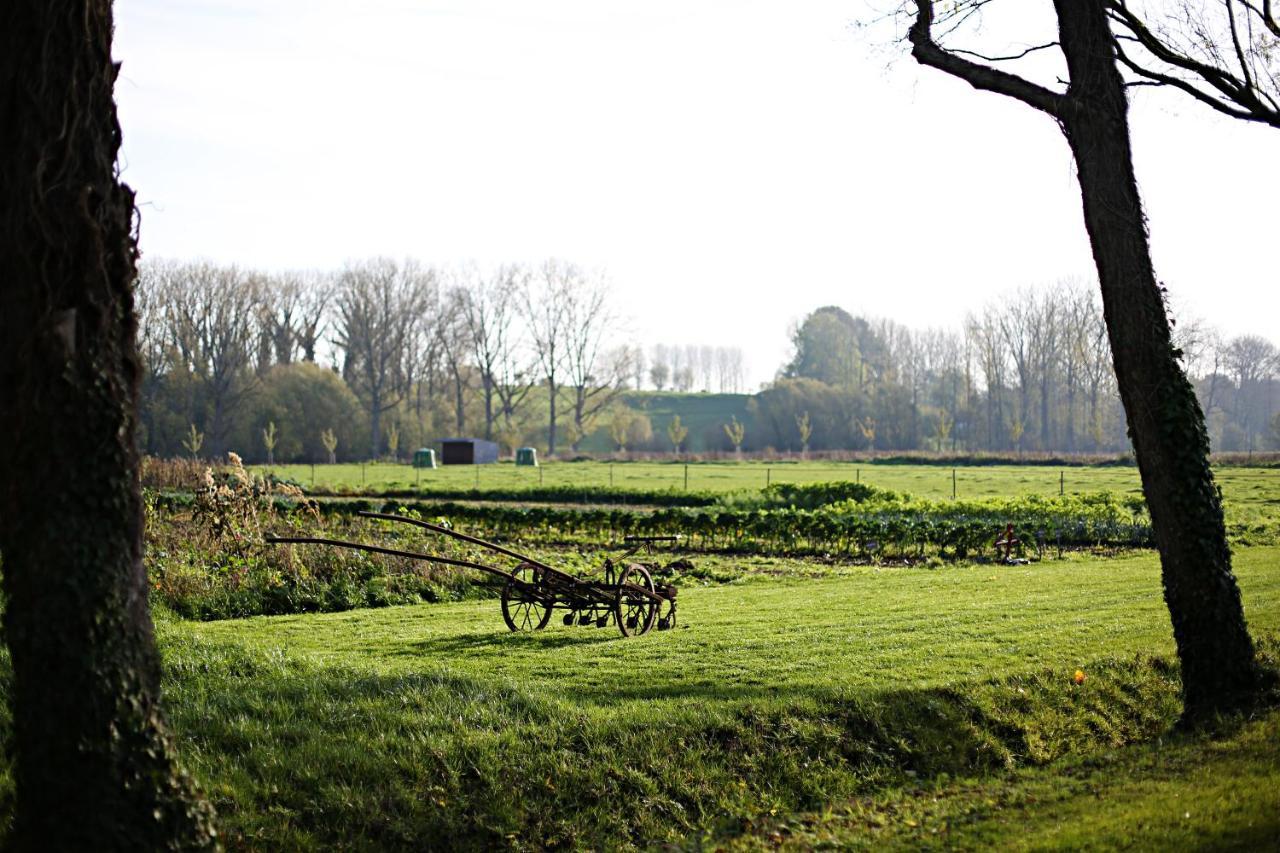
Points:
(942, 430)
(544, 304)
(292, 313)
(640, 431)
(639, 366)
(594, 373)
(1275, 433)
(1251, 362)
(455, 348)
(867, 427)
(620, 427)
(677, 432)
(736, 433)
(211, 312)
(92, 762)
(1016, 429)
(393, 441)
(826, 349)
(330, 442)
(302, 394)
(804, 428)
(659, 372)
(489, 307)
(380, 304)
(193, 442)
(269, 441)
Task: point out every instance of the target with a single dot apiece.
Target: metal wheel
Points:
(522, 608)
(634, 610)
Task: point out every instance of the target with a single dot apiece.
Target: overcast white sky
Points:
(732, 164)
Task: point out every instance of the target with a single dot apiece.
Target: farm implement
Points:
(532, 591)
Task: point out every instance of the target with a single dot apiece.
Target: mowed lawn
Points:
(776, 701)
(868, 628)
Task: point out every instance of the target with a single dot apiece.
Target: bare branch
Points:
(1008, 58)
(927, 52)
(1239, 97)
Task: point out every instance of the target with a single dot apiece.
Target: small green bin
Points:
(527, 456)
(424, 458)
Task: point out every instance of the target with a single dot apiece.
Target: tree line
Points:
(383, 354)
(1029, 372)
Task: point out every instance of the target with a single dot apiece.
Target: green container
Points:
(527, 456)
(424, 458)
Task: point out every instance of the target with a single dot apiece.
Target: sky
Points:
(728, 165)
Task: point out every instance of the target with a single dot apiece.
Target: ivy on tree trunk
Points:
(1166, 424)
(95, 765)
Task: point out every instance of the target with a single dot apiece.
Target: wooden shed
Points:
(467, 451)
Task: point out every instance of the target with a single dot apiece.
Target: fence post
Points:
(686, 476)
(477, 476)
(857, 475)
(953, 484)
(768, 477)
(611, 475)
(313, 476)
(362, 473)
(1062, 483)
(539, 475)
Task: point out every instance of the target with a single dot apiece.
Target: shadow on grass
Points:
(434, 759)
(486, 640)
(298, 755)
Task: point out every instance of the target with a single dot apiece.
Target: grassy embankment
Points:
(871, 705)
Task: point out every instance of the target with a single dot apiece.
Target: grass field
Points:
(1250, 493)
(869, 706)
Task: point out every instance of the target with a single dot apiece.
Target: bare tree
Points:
(212, 313)
(489, 308)
(639, 365)
(455, 346)
(292, 311)
(94, 764)
(659, 373)
(1045, 320)
(379, 305)
(1250, 362)
(1165, 421)
(545, 307)
(1225, 54)
(594, 372)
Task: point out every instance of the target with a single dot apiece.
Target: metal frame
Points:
(533, 590)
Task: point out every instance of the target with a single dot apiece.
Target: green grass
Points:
(783, 699)
(1180, 792)
(1250, 493)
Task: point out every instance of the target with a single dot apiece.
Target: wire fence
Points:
(920, 480)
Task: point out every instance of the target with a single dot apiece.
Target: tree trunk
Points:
(551, 421)
(459, 404)
(1164, 417)
(488, 405)
(95, 766)
(375, 424)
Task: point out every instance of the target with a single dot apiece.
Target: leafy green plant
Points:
(805, 428)
(330, 442)
(677, 432)
(393, 441)
(269, 441)
(193, 442)
(736, 432)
